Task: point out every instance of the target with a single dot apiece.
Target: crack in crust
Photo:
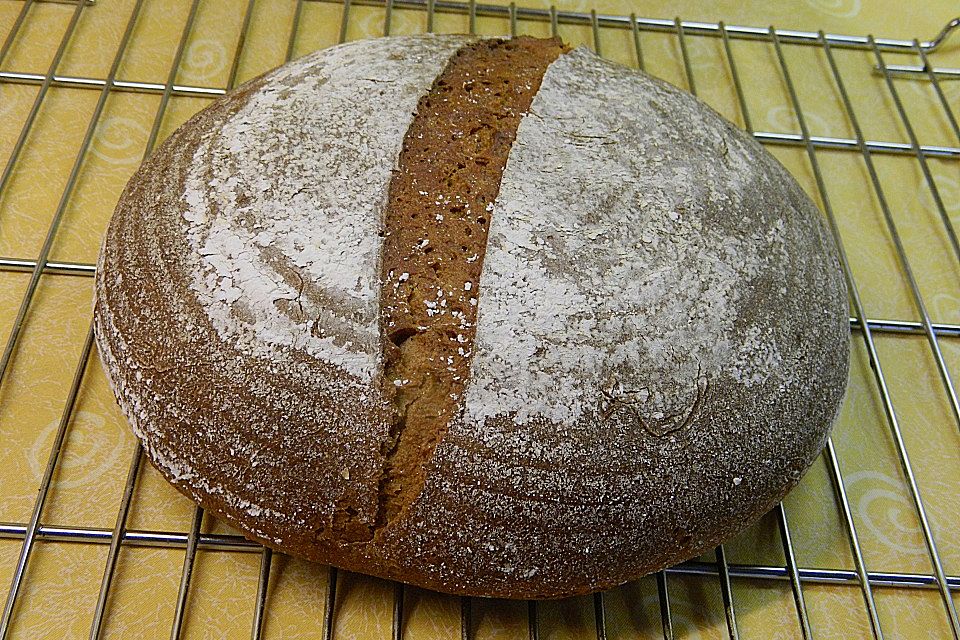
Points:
(429, 317)
(435, 236)
(634, 401)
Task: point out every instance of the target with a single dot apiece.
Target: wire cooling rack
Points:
(921, 137)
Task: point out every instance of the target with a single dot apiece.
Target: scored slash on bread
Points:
(435, 237)
(651, 315)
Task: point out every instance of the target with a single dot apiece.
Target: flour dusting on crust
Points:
(661, 347)
(662, 339)
(603, 279)
(283, 259)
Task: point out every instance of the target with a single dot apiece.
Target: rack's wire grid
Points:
(904, 560)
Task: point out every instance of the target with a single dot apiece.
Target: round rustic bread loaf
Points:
(492, 317)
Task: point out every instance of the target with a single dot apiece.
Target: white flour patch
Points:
(284, 210)
(601, 279)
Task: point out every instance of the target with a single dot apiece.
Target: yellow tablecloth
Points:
(62, 581)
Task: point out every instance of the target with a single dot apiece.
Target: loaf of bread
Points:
(494, 317)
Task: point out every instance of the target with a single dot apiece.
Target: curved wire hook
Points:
(926, 70)
(943, 35)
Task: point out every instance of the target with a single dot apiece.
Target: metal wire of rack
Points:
(865, 327)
